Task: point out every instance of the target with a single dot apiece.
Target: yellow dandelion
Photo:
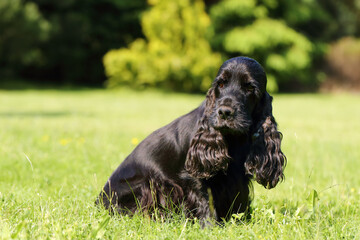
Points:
(352, 190)
(65, 141)
(45, 138)
(134, 141)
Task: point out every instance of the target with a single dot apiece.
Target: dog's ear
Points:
(266, 161)
(210, 102)
(208, 152)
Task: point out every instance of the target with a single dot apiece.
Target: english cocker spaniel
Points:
(228, 140)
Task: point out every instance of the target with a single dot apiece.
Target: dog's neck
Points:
(234, 138)
(238, 144)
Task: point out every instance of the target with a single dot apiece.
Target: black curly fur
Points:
(266, 160)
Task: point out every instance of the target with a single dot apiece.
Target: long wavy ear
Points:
(266, 160)
(208, 152)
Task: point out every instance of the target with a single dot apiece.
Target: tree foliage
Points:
(319, 20)
(65, 40)
(175, 54)
(174, 45)
(285, 53)
(22, 31)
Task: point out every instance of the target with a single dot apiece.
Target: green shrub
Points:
(63, 42)
(244, 28)
(22, 30)
(175, 55)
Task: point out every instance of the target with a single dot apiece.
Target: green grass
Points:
(59, 147)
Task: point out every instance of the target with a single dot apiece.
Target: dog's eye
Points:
(249, 87)
(222, 82)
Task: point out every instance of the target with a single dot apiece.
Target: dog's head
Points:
(235, 94)
(237, 103)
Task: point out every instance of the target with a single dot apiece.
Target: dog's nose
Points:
(225, 112)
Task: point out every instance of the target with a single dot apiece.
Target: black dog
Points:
(229, 139)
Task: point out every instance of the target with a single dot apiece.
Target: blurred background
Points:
(304, 45)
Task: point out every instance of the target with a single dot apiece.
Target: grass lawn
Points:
(59, 147)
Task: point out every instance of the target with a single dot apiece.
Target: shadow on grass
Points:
(19, 84)
(25, 85)
(14, 114)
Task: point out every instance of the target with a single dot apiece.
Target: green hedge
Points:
(22, 31)
(175, 54)
(63, 42)
(285, 54)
